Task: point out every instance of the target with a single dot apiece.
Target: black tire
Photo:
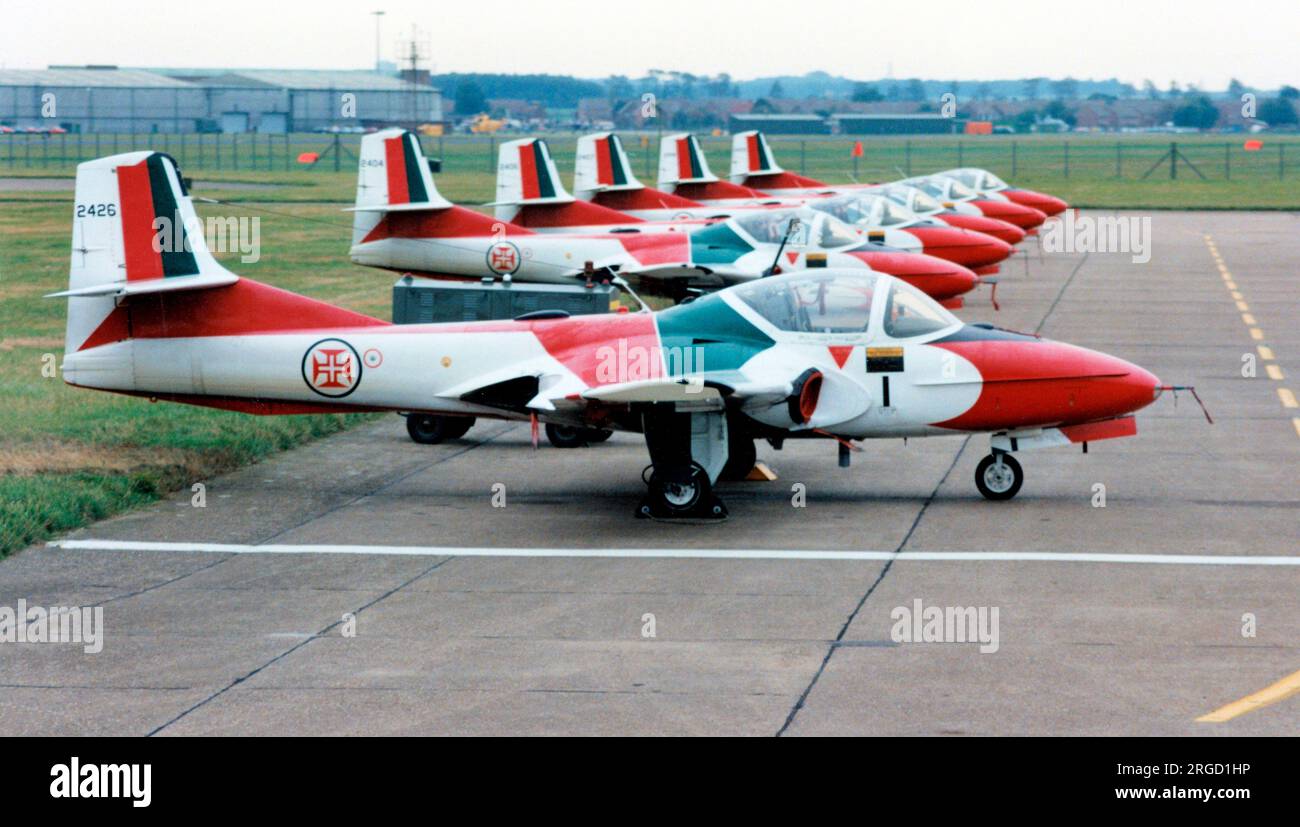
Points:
(680, 492)
(741, 456)
(566, 436)
(595, 435)
(999, 485)
(431, 429)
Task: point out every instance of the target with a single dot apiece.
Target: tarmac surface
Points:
(765, 642)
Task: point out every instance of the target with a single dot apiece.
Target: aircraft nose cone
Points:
(1111, 386)
(969, 249)
(1041, 201)
(1026, 218)
(997, 228)
(936, 277)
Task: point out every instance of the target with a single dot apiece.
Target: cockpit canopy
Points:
(865, 210)
(813, 229)
(980, 180)
(841, 302)
(911, 198)
(943, 188)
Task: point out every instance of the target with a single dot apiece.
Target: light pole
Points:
(378, 16)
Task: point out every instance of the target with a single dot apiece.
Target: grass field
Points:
(1095, 170)
(69, 456)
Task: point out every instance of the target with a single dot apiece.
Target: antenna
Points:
(413, 54)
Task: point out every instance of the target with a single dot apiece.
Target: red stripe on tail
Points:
(528, 171)
(752, 145)
(604, 168)
(395, 164)
(684, 159)
(136, 194)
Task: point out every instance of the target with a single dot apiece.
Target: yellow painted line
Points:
(1257, 334)
(1236, 295)
(1296, 422)
(1274, 372)
(1242, 306)
(1265, 352)
(1248, 319)
(1288, 398)
(1232, 285)
(1279, 691)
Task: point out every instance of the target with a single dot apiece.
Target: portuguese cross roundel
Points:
(503, 258)
(332, 368)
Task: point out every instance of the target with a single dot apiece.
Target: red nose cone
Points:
(964, 247)
(936, 277)
(1026, 218)
(1001, 230)
(1044, 203)
(1037, 383)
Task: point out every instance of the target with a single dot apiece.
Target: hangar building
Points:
(113, 99)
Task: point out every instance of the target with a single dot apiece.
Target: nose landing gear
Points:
(680, 491)
(999, 476)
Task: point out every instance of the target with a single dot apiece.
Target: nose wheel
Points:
(676, 492)
(999, 476)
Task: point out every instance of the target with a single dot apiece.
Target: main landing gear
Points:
(430, 429)
(999, 476)
(569, 436)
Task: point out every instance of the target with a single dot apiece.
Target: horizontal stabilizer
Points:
(200, 281)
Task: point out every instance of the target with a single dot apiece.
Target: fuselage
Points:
(897, 367)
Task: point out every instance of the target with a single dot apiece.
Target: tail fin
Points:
(134, 231)
(681, 161)
(526, 175)
(602, 166)
(751, 155)
(392, 176)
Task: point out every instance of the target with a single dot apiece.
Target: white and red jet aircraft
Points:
(755, 238)
(991, 186)
(538, 223)
(787, 185)
(753, 165)
(403, 224)
(828, 354)
(963, 216)
(603, 176)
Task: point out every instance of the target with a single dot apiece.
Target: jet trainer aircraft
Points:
(684, 169)
(753, 165)
(761, 238)
(402, 223)
(542, 233)
(821, 354)
(990, 185)
(603, 176)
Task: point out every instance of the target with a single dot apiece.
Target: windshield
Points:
(851, 208)
(911, 313)
(992, 182)
(813, 303)
(836, 233)
(958, 190)
(894, 215)
(973, 178)
(771, 226)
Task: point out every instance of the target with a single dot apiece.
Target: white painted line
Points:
(696, 554)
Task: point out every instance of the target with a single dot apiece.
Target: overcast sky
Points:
(1202, 42)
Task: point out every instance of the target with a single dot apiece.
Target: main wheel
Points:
(430, 429)
(679, 491)
(595, 435)
(566, 436)
(741, 456)
(999, 477)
